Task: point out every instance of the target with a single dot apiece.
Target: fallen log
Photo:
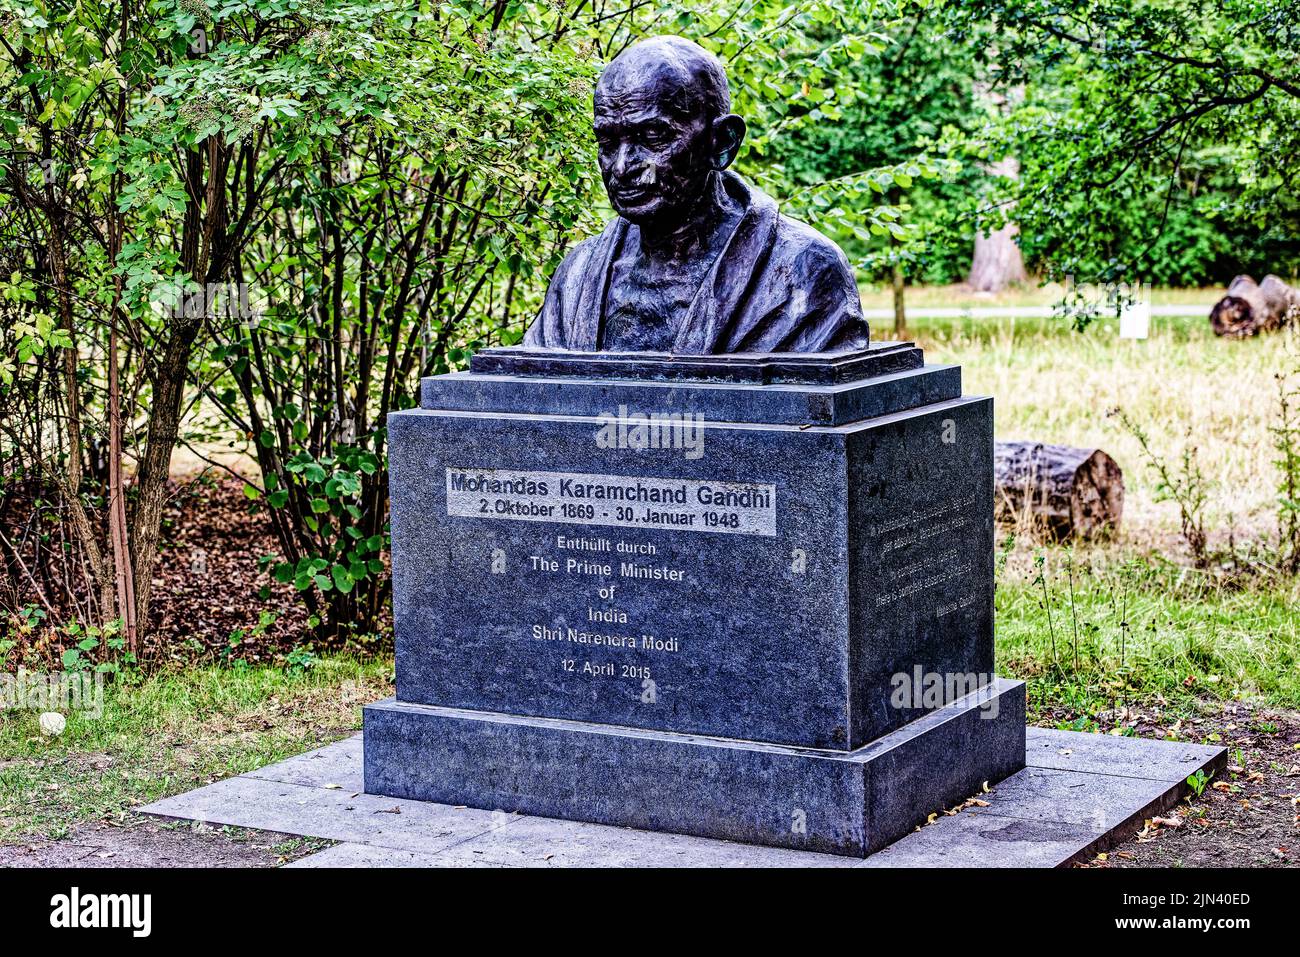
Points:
(1056, 489)
(1249, 308)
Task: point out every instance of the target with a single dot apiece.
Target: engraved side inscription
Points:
(923, 529)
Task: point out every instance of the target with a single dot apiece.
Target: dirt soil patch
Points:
(141, 843)
(1248, 815)
(208, 584)
(211, 600)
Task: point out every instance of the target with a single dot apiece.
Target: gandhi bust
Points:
(697, 261)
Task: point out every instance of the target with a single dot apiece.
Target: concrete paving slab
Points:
(1076, 792)
(336, 764)
(334, 814)
(548, 842)
(1170, 761)
(367, 855)
(970, 840)
(1071, 797)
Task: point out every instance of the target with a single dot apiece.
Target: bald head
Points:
(663, 126)
(686, 77)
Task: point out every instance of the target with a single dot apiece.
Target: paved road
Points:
(1027, 312)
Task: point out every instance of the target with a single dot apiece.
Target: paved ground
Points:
(1079, 793)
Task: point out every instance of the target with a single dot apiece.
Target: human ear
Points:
(728, 134)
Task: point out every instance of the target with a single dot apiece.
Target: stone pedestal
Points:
(746, 597)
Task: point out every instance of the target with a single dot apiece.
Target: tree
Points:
(1130, 110)
(279, 215)
(997, 261)
(907, 104)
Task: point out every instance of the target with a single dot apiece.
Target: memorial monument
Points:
(697, 557)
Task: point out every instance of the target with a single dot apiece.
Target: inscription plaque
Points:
(742, 508)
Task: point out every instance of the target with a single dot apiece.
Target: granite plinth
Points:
(869, 554)
(851, 803)
(715, 595)
(780, 404)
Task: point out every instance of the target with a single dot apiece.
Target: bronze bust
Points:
(697, 261)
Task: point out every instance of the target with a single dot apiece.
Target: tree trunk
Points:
(1057, 489)
(1249, 309)
(997, 261)
(69, 481)
(900, 307)
(204, 244)
(119, 536)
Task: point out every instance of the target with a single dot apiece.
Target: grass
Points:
(172, 732)
(1183, 386)
(1091, 628)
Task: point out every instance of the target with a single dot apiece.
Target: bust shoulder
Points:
(581, 253)
(576, 266)
(813, 255)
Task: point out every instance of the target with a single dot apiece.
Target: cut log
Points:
(1056, 489)
(1249, 309)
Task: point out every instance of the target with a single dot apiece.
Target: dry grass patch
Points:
(1184, 387)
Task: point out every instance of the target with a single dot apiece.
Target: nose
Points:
(623, 160)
